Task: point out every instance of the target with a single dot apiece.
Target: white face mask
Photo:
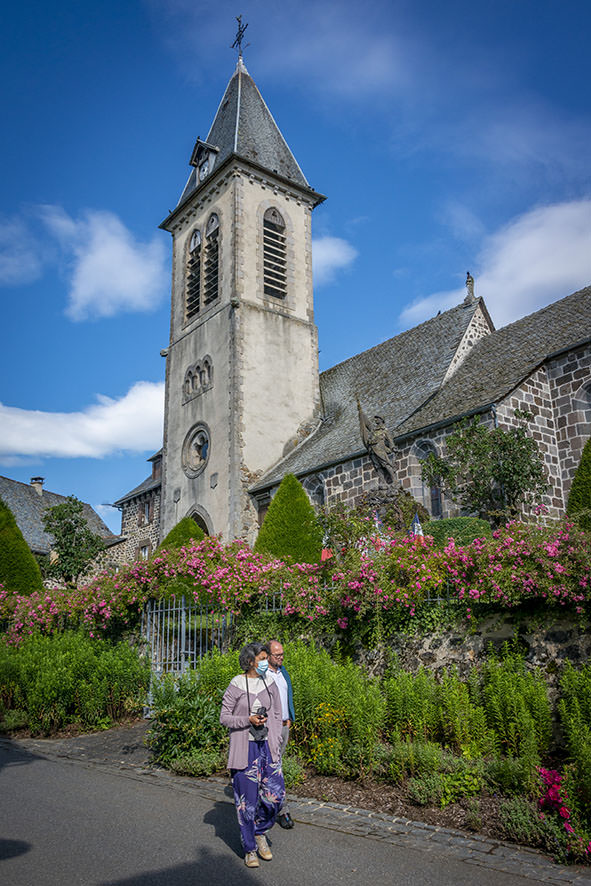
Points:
(262, 667)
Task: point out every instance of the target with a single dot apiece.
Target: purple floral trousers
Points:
(259, 791)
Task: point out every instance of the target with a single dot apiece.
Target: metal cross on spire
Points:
(237, 44)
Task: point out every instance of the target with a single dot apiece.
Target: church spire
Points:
(244, 127)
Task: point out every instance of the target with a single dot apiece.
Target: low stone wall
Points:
(546, 644)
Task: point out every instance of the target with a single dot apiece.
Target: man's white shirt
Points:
(282, 687)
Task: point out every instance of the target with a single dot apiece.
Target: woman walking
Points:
(251, 709)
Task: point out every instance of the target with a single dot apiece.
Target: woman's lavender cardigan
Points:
(235, 715)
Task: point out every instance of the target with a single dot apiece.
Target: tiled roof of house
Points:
(392, 379)
(499, 362)
(244, 126)
(28, 507)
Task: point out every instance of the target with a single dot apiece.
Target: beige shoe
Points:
(263, 847)
(251, 860)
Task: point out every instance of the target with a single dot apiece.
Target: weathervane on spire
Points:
(237, 44)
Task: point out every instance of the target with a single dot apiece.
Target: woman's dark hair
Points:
(248, 654)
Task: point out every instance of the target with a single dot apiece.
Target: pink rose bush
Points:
(385, 573)
(555, 800)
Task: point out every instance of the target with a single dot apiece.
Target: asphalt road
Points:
(65, 823)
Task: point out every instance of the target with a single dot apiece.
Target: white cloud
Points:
(110, 271)
(535, 259)
(20, 262)
(330, 255)
(133, 423)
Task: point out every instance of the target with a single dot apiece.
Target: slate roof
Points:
(28, 507)
(244, 126)
(146, 486)
(392, 379)
(499, 362)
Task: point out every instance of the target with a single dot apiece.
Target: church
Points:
(245, 402)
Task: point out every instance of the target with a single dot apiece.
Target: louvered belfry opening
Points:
(193, 293)
(211, 263)
(274, 254)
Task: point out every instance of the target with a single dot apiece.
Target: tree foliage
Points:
(492, 472)
(185, 531)
(579, 500)
(291, 529)
(19, 571)
(74, 544)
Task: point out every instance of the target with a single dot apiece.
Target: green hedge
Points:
(185, 531)
(19, 571)
(463, 530)
(579, 500)
(291, 529)
(69, 678)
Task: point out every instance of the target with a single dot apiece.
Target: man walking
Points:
(283, 681)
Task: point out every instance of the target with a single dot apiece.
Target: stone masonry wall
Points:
(534, 396)
(569, 378)
(136, 530)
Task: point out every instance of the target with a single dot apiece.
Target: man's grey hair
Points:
(248, 654)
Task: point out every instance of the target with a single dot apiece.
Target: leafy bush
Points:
(420, 706)
(463, 530)
(579, 499)
(291, 529)
(69, 678)
(185, 531)
(339, 709)
(574, 708)
(517, 707)
(522, 823)
(511, 776)
(185, 721)
(293, 771)
(427, 790)
(199, 763)
(19, 571)
(410, 758)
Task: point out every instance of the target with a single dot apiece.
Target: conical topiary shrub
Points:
(579, 500)
(182, 534)
(19, 571)
(290, 529)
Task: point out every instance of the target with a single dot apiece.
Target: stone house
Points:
(245, 403)
(28, 503)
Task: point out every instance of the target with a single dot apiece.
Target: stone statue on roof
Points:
(378, 442)
(469, 287)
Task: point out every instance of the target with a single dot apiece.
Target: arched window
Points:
(211, 265)
(193, 291)
(274, 254)
(423, 450)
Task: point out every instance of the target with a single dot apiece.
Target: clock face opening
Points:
(203, 170)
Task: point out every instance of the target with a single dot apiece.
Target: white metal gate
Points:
(178, 633)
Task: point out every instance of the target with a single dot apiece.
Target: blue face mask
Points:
(262, 667)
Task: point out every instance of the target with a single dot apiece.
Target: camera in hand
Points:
(259, 733)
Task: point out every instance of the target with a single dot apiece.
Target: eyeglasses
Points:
(277, 654)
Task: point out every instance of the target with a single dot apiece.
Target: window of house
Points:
(144, 552)
(211, 265)
(193, 292)
(274, 254)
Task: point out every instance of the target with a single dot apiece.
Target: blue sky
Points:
(446, 136)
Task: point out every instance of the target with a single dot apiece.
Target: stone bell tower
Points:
(242, 362)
